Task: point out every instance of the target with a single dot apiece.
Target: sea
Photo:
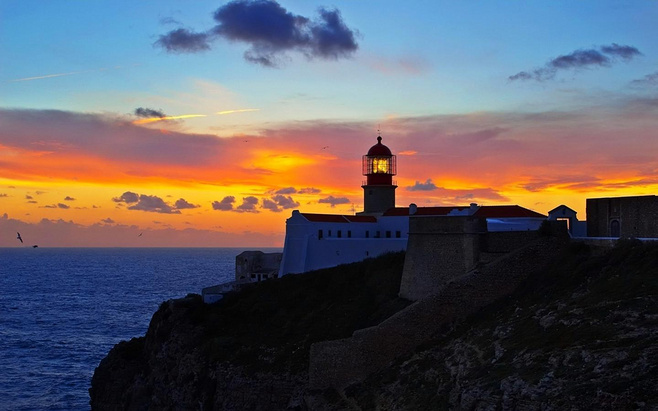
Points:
(63, 309)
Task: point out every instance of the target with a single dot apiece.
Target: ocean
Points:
(63, 309)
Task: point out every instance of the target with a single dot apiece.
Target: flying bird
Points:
(140, 234)
(18, 237)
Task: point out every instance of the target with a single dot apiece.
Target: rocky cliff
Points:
(580, 334)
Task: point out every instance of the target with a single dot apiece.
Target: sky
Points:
(175, 123)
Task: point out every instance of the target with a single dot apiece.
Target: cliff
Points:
(250, 350)
(580, 333)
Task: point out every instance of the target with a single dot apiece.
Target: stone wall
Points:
(341, 362)
(439, 249)
(635, 216)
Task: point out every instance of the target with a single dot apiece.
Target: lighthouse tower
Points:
(379, 167)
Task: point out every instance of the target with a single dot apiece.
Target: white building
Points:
(315, 241)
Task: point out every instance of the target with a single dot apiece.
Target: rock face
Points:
(583, 337)
(250, 350)
(581, 334)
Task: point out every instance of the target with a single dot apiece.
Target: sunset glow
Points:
(488, 114)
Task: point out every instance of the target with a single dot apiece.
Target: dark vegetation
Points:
(585, 328)
(271, 325)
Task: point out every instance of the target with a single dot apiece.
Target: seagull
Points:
(18, 236)
(140, 234)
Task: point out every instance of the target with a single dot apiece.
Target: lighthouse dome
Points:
(379, 149)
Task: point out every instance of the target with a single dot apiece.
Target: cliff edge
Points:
(580, 333)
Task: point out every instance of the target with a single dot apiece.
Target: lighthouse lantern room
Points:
(379, 167)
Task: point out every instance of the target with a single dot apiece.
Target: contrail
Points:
(67, 74)
(237, 111)
(48, 76)
(154, 119)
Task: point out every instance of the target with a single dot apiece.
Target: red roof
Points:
(361, 218)
(337, 218)
(379, 149)
(505, 211)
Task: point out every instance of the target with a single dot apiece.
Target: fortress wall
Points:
(341, 362)
(439, 249)
(507, 241)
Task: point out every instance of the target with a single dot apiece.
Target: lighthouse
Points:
(379, 167)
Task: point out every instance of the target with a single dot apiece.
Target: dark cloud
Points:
(648, 80)
(107, 221)
(28, 197)
(4, 195)
(68, 198)
(225, 205)
(426, 186)
(287, 190)
(149, 113)
(127, 197)
(604, 56)
(63, 206)
(248, 205)
(279, 203)
(182, 204)
(309, 190)
(271, 205)
(184, 41)
(623, 52)
(270, 30)
(334, 201)
(153, 204)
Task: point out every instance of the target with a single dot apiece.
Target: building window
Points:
(340, 234)
(319, 234)
(378, 234)
(397, 234)
(388, 234)
(349, 233)
(367, 234)
(329, 233)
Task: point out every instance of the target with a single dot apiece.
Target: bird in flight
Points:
(18, 237)
(140, 234)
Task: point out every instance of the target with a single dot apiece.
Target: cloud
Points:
(604, 56)
(153, 204)
(225, 205)
(4, 195)
(287, 190)
(67, 198)
(107, 220)
(248, 205)
(334, 201)
(149, 112)
(270, 31)
(426, 186)
(309, 190)
(63, 206)
(271, 205)
(182, 204)
(28, 197)
(648, 80)
(127, 197)
(184, 41)
(279, 203)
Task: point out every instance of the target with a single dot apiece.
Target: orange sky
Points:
(64, 174)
